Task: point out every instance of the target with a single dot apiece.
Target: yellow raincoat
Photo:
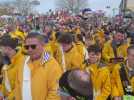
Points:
(117, 88)
(101, 81)
(44, 79)
(82, 50)
(108, 52)
(72, 59)
(11, 74)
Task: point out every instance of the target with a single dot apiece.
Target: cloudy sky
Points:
(94, 4)
(45, 5)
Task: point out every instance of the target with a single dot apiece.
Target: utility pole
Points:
(124, 7)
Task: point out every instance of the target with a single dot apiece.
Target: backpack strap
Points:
(114, 47)
(124, 80)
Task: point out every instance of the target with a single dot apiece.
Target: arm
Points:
(54, 73)
(117, 89)
(17, 89)
(77, 61)
(105, 53)
(106, 87)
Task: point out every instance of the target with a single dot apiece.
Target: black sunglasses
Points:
(30, 46)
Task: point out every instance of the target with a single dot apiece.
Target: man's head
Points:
(75, 84)
(34, 45)
(66, 41)
(130, 55)
(47, 29)
(94, 53)
(119, 37)
(8, 45)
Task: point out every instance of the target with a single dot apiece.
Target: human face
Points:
(66, 47)
(34, 48)
(119, 37)
(93, 57)
(6, 50)
(130, 57)
(47, 29)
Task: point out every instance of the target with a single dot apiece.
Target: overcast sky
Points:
(94, 4)
(45, 5)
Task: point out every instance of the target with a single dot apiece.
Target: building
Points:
(126, 7)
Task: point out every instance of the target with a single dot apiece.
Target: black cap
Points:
(72, 84)
(8, 41)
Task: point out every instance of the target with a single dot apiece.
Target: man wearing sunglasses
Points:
(11, 57)
(38, 75)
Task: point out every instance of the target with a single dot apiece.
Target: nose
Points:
(30, 49)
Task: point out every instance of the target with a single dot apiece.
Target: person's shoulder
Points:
(49, 61)
(46, 58)
(104, 68)
(50, 65)
(117, 67)
(108, 43)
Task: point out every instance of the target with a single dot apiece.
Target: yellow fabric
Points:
(48, 48)
(100, 33)
(73, 59)
(23, 50)
(78, 31)
(53, 36)
(11, 74)
(44, 80)
(52, 47)
(80, 47)
(117, 89)
(101, 81)
(108, 52)
(18, 34)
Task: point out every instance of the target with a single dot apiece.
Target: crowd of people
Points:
(60, 56)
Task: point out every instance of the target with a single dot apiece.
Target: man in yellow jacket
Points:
(115, 48)
(67, 54)
(9, 70)
(123, 76)
(99, 74)
(38, 74)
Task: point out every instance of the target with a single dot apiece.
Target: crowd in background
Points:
(93, 53)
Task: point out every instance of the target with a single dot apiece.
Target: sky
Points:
(45, 5)
(93, 4)
(101, 4)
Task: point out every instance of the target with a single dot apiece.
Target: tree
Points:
(72, 5)
(5, 8)
(23, 7)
